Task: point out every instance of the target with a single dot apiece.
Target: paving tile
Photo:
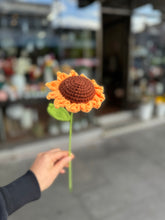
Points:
(150, 144)
(86, 175)
(55, 203)
(151, 208)
(11, 171)
(120, 178)
(131, 179)
(111, 198)
(48, 209)
(131, 168)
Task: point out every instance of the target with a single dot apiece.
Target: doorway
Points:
(115, 60)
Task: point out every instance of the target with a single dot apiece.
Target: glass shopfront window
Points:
(37, 39)
(147, 54)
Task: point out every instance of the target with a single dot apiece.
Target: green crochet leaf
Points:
(60, 114)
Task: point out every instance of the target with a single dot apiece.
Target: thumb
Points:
(62, 163)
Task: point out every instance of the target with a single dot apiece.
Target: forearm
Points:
(3, 211)
(20, 192)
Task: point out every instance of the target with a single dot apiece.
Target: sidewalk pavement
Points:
(119, 178)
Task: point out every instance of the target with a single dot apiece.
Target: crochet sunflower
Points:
(73, 93)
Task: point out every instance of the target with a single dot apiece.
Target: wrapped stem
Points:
(70, 152)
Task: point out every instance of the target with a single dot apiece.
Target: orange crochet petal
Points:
(86, 107)
(61, 76)
(83, 75)
(98, 91)
(73, 107)
(96, 102)
(63, 102)
(96, 85)
(54, 95)
(53, 85)
(83, 107)
(51, 95)
(57, 104)
(73, 73)
(89, 106)
(101, 96)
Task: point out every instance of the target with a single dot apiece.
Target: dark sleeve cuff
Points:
(20, 192)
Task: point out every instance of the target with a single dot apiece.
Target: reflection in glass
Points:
(147, 75)
(37, 39)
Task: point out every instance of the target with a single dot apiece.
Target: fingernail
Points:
(72, 155)
(69, 158)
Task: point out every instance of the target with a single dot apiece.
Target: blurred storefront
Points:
(38, 38)
(132, 53)
(120, 43)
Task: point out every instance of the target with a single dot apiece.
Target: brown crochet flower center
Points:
(77, 89)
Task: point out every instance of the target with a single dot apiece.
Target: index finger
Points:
(57, 155)
(54, 150)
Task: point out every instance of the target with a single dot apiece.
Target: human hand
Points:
(48, 165)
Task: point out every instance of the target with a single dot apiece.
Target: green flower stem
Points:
(70, 151)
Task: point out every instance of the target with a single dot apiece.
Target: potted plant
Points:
(146, 108)
(160, 106)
